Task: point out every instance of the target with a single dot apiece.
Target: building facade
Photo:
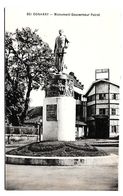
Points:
(81, 114)
(81, 109)
(103, 109)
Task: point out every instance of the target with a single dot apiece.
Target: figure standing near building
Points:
(61, 43)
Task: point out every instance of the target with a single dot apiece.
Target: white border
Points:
(49, 4)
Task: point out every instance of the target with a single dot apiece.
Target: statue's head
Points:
(61, 31)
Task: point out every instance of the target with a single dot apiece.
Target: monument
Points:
(59, 103)
(61, 44)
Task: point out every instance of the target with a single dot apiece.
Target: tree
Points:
(27, 63)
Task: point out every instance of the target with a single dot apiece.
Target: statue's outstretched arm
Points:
(66, 42)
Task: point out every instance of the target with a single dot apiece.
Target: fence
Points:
(21, 130)
(22, 135)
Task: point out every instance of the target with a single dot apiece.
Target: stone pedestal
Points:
(59, 110)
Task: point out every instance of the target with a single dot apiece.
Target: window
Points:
(114, 129)
(102, 96)
(91, 98)
(102, 111)
(115, 96)
(90, 110)
(77, 96)
(113, 111)
(79, 112)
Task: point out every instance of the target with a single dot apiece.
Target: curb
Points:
(61, 161)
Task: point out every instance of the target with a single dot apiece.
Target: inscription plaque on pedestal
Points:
(51, 112)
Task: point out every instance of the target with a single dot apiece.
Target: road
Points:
(103, 177)
(94, 177)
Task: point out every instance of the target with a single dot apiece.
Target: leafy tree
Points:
(28, 60)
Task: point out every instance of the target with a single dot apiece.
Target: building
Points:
(81, 109)
(103, 109)
(97, 112)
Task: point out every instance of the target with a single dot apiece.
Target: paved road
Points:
(97, 177)
(103, 177)
(109, 150)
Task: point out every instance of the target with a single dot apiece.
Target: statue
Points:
(61, 43)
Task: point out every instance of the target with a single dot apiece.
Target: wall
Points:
(49, 127)
(63, 129)
(101, 87)
(114, 89)
(92, 92)
(16, 139)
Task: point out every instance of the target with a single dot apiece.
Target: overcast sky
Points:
(95, 41)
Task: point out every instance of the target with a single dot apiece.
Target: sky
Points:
(95, 40)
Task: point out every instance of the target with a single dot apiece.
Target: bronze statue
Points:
(61, 43)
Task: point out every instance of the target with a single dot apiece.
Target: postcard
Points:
(62, 99)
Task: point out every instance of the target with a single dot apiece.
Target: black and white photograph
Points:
(62, 77)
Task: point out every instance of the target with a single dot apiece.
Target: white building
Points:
(103, 109)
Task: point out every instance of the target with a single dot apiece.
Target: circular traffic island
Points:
(57, 149)
(56, 153)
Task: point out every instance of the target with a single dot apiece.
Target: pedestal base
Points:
(59, 118)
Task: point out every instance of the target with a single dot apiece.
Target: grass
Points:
(57, 148)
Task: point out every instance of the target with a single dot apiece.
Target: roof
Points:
(96, 82)
(35, 111)
(77, 83)
(34, 115)
(35, 120)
